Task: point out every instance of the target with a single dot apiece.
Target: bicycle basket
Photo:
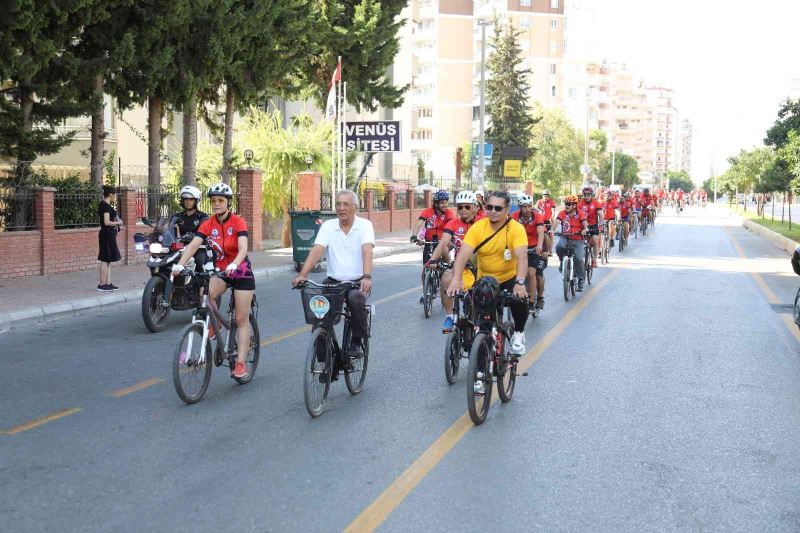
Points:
(323, 305)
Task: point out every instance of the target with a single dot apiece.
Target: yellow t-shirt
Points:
(491, 256)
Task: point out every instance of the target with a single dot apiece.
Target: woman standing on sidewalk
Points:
(109, 226)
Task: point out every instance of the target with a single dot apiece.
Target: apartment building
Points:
(686, 137)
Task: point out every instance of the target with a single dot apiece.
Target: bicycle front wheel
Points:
(427, 295)
(507, 368)
(191, 372)
(452, 355)
(253, 352)
(317, 372)
(479, 380)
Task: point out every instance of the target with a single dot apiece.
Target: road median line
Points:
(119, 393)
(41, 421)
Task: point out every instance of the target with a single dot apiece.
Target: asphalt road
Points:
(665, 397)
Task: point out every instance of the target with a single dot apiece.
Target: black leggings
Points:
(519, 309)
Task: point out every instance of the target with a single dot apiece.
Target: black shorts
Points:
(427, 251)
(244, 280)
(594, 229)
(536, 261)
(548, 225)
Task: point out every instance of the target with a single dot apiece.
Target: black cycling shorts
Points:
(244, 280)
(548, 225)
(594, 229)
(427, 251)
(536, 261)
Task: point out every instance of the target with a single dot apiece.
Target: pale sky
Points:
(730, 62)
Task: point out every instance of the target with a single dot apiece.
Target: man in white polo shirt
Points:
(347, 242)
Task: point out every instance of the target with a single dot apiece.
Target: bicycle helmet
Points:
(486, 294)
(466, 197)
(190, 191)
(220, 189)
(479, 192)
(525, 199)
(571, 199)
(546, 192)
(440, 196)
(587, 190)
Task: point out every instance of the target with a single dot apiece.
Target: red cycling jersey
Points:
(590, 210)
(610, 206)
(624, 208)
(530, 226)
(435, 222)
(546, 206)
(457, 228)
(224, 236)
(572, 224)
(647, 201)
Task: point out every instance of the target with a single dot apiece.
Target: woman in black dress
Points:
(109, 226)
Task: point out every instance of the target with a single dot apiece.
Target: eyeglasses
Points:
(497, 208)
(344, 204)
(464, 207)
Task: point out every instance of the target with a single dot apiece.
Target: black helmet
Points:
(486, 294)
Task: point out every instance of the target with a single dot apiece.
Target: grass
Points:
(768, 223)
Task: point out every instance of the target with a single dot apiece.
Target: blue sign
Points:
(488, 150)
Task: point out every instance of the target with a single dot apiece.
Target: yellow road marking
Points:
(41, 421)
(119, 393)
(374, 515)
(771, 296)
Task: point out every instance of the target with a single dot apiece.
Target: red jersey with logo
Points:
(224, 236)
(546, 206)
(572, 224)
(590, 210)
(624, 208)
(647, 201)
(457, 228)
(530, 226)
(435, 222)
(610, 206)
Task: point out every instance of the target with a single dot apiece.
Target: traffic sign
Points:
(512, 168)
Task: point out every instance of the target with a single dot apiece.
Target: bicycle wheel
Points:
(478, 402)
(427, 295)
(190, 376)
(587, 266)
(253, 353)
(797, 308)
(317, 372)
(567, 277)
(357, 373)
(621, 239)
(507, 368)
(452, 355)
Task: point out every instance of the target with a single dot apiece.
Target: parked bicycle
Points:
(191, 367)
(324, 304)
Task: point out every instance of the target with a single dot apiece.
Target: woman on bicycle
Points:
(226, 234)
(574, 226)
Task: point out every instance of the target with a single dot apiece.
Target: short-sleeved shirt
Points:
(590, 209)
(189, 223)
(435, 222)
(572, 225)
(624, 208)
(224, 236)
(530, 226)
(647, 201)
(105, 207)
(610, 206)
(491, 256)
(546, 206)
(343, 251)
(457, 229)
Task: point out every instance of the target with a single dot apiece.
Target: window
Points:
(425, 112)
(553, 24)
(553, 68)
(553, 90)
(553, 4)
(553, 47)
(572, 92)
(524, 22)
(525, 3)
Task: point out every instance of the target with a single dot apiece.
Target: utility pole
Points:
(481, 137)
(586, 140)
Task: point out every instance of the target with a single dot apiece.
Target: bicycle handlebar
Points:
(302, 284)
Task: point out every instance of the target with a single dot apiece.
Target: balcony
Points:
(424, 34)
(427, 9)
(421, 144)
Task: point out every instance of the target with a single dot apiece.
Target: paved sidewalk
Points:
(39, 298)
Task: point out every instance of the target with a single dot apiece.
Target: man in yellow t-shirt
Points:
(504, 257)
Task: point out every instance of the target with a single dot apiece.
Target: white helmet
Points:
(546, 192)
(525, 199)
(220, 189)
(190, 191)
(479, 192)
(466, 197)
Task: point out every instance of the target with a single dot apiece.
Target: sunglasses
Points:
(570, 203)
(497, 208)
(464, 207)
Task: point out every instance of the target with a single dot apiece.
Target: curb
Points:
(46, 313)
(784, 243)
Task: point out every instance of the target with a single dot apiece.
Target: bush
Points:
(75, 202)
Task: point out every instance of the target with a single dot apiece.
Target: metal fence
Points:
(155, 202)
(379, 202)
(401, 200)
(76, 209)
(17, 208)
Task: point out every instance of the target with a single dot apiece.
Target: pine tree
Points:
(507, 97)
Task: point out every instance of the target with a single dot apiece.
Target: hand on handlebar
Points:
(414, 239)
(432, 263)
(299, 280)
(177, 268)
(584, 231)
(519, 291)
(457, 285)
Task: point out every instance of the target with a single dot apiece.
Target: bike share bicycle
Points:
(324, 304)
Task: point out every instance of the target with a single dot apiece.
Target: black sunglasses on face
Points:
(498, 208)
(569, 204)
(464, 207)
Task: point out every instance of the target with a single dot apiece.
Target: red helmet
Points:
(588, 190)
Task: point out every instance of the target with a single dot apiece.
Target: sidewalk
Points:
(39, 298)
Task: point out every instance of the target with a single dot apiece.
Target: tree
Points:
(788, 120)
(557, 152)
(680, 179)
(708, 187)
(598, 143)
(626, 169)
(507, 96)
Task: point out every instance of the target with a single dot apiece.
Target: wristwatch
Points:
(521, 282)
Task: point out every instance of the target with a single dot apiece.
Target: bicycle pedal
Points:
(523, 375)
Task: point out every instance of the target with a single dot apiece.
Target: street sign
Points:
(512, 168)
(375, 136)
(488, 151)
(515, 152)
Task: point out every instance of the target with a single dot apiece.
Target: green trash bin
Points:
(305, 226)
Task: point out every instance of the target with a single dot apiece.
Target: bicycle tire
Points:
(255, 349)
(180, 365)
(479, 358)
(427, 299)
(452, 355)
(567, 267)
(621, 235)
(797, 308)
(153, 314)
(507, 375)
(358, 366)
(317, 372)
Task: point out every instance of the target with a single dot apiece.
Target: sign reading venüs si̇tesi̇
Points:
(377, 136)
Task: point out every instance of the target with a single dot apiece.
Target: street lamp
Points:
(309, 161)
(248, 156)
(481, 139)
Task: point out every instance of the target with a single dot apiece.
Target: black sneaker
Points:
(113, 287)
(580, 285)
(104, 288)
(540, 303)
(356, 351)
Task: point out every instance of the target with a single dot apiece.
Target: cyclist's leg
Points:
(357, 302)
(243, 299)
(519, 310)
(579, 253)
(561, 248)
(595, 247)
(447, 302)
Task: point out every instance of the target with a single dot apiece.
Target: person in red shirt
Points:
(434, 219)
(625, 208)
(533, 222)
(226, 234)
(610, 207)
(594, 216)
(648, 203)
(572, 227)
(548, 208)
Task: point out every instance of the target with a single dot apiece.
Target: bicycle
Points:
(644, 223)
(490, 359)
(431, 283)
(324, 304)
(635, 224)
(568, 269)
(605, 248)
(192, 367)
(622, 241)
(588, 249)
(459, 340)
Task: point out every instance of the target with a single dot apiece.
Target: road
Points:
(665, 397)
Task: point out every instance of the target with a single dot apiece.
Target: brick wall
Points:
(20, 254)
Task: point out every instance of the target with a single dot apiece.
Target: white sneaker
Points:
(518, 343)
(478, 388)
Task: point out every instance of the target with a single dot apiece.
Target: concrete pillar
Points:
(428, 198)
(249, 183)
(390, 199)
(44, 211)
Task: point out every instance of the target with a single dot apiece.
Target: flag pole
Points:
(344, 127)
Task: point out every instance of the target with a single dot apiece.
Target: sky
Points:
(730, 62)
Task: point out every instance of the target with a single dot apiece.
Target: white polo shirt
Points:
(343, 252)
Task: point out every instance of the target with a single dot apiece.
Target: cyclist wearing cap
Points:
(573, 227)
(548, 208)
(226, 234)
(188, 220)
(533, 222)
(454, 233)
(434, 219)
(594, 216)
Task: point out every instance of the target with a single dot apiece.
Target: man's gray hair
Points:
(353, 196)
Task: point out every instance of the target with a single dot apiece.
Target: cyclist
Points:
(648, 203)
(347, 242)
(533, 222)
(454, 232)
(574, 226)
(625, 208)
(548, 208)
(434, 219)
(501, 246)
(479, 195)
(594, 216)
(188, 220)
(227, 234)
(609, 215)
